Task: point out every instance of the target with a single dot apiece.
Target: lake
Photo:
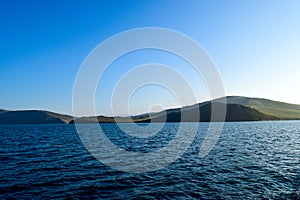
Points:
(250, 160)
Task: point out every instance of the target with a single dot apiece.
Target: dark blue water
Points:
(251, 160)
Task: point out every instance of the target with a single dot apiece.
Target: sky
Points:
(254, 44)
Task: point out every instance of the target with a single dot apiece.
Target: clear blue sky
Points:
(255, 45)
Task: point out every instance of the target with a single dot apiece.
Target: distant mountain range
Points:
(238, 109)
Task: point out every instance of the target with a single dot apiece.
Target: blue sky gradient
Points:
(255, 45)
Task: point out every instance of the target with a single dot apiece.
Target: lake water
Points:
(250, 160)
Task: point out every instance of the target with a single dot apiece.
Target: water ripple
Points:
(252, 160)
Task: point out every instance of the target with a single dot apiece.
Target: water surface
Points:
(250, 160)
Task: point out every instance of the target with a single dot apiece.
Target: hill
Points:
(268, 107)
(235, 112)
(2, 111)
(33, 117)
(238, 109)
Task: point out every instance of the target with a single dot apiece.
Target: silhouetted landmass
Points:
(235, 112)
(2, 111)
(104, 119)
(244, 109)
(238, 109)
(33, 117)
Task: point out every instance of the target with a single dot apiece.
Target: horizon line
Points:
(142, 113)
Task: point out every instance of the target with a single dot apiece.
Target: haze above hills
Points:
(238, 109)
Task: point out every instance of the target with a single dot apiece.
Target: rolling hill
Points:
(2, 111)
(268, 107)
(33, 117)
(238, 109)
(235, 112)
